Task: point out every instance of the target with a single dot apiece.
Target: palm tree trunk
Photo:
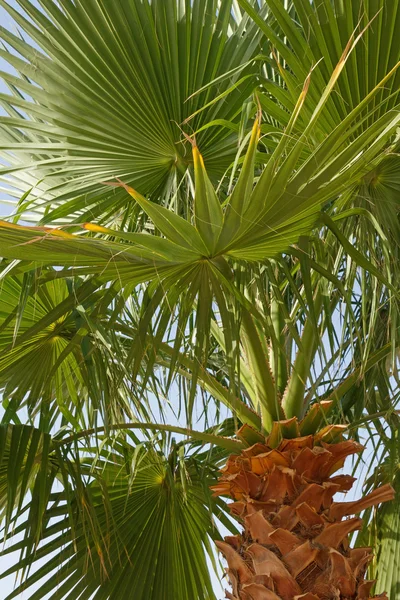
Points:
(295, 542)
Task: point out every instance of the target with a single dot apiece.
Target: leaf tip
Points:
(95, 228)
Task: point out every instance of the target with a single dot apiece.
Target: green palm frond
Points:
(193, 263)
(313, 36)
(144, 524)
(106, 88)
(25, 467)
(59, 356)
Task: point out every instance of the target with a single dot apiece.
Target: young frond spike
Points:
(295, 543)
(207, 206)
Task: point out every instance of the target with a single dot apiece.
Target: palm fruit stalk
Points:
(295, 541)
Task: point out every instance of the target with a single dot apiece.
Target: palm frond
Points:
(104, 90)
(134, 497)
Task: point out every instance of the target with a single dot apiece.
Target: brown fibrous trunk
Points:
(295, 543)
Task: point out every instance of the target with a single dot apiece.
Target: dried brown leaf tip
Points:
(295, 544)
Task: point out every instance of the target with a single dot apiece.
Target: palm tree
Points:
(241, 260)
